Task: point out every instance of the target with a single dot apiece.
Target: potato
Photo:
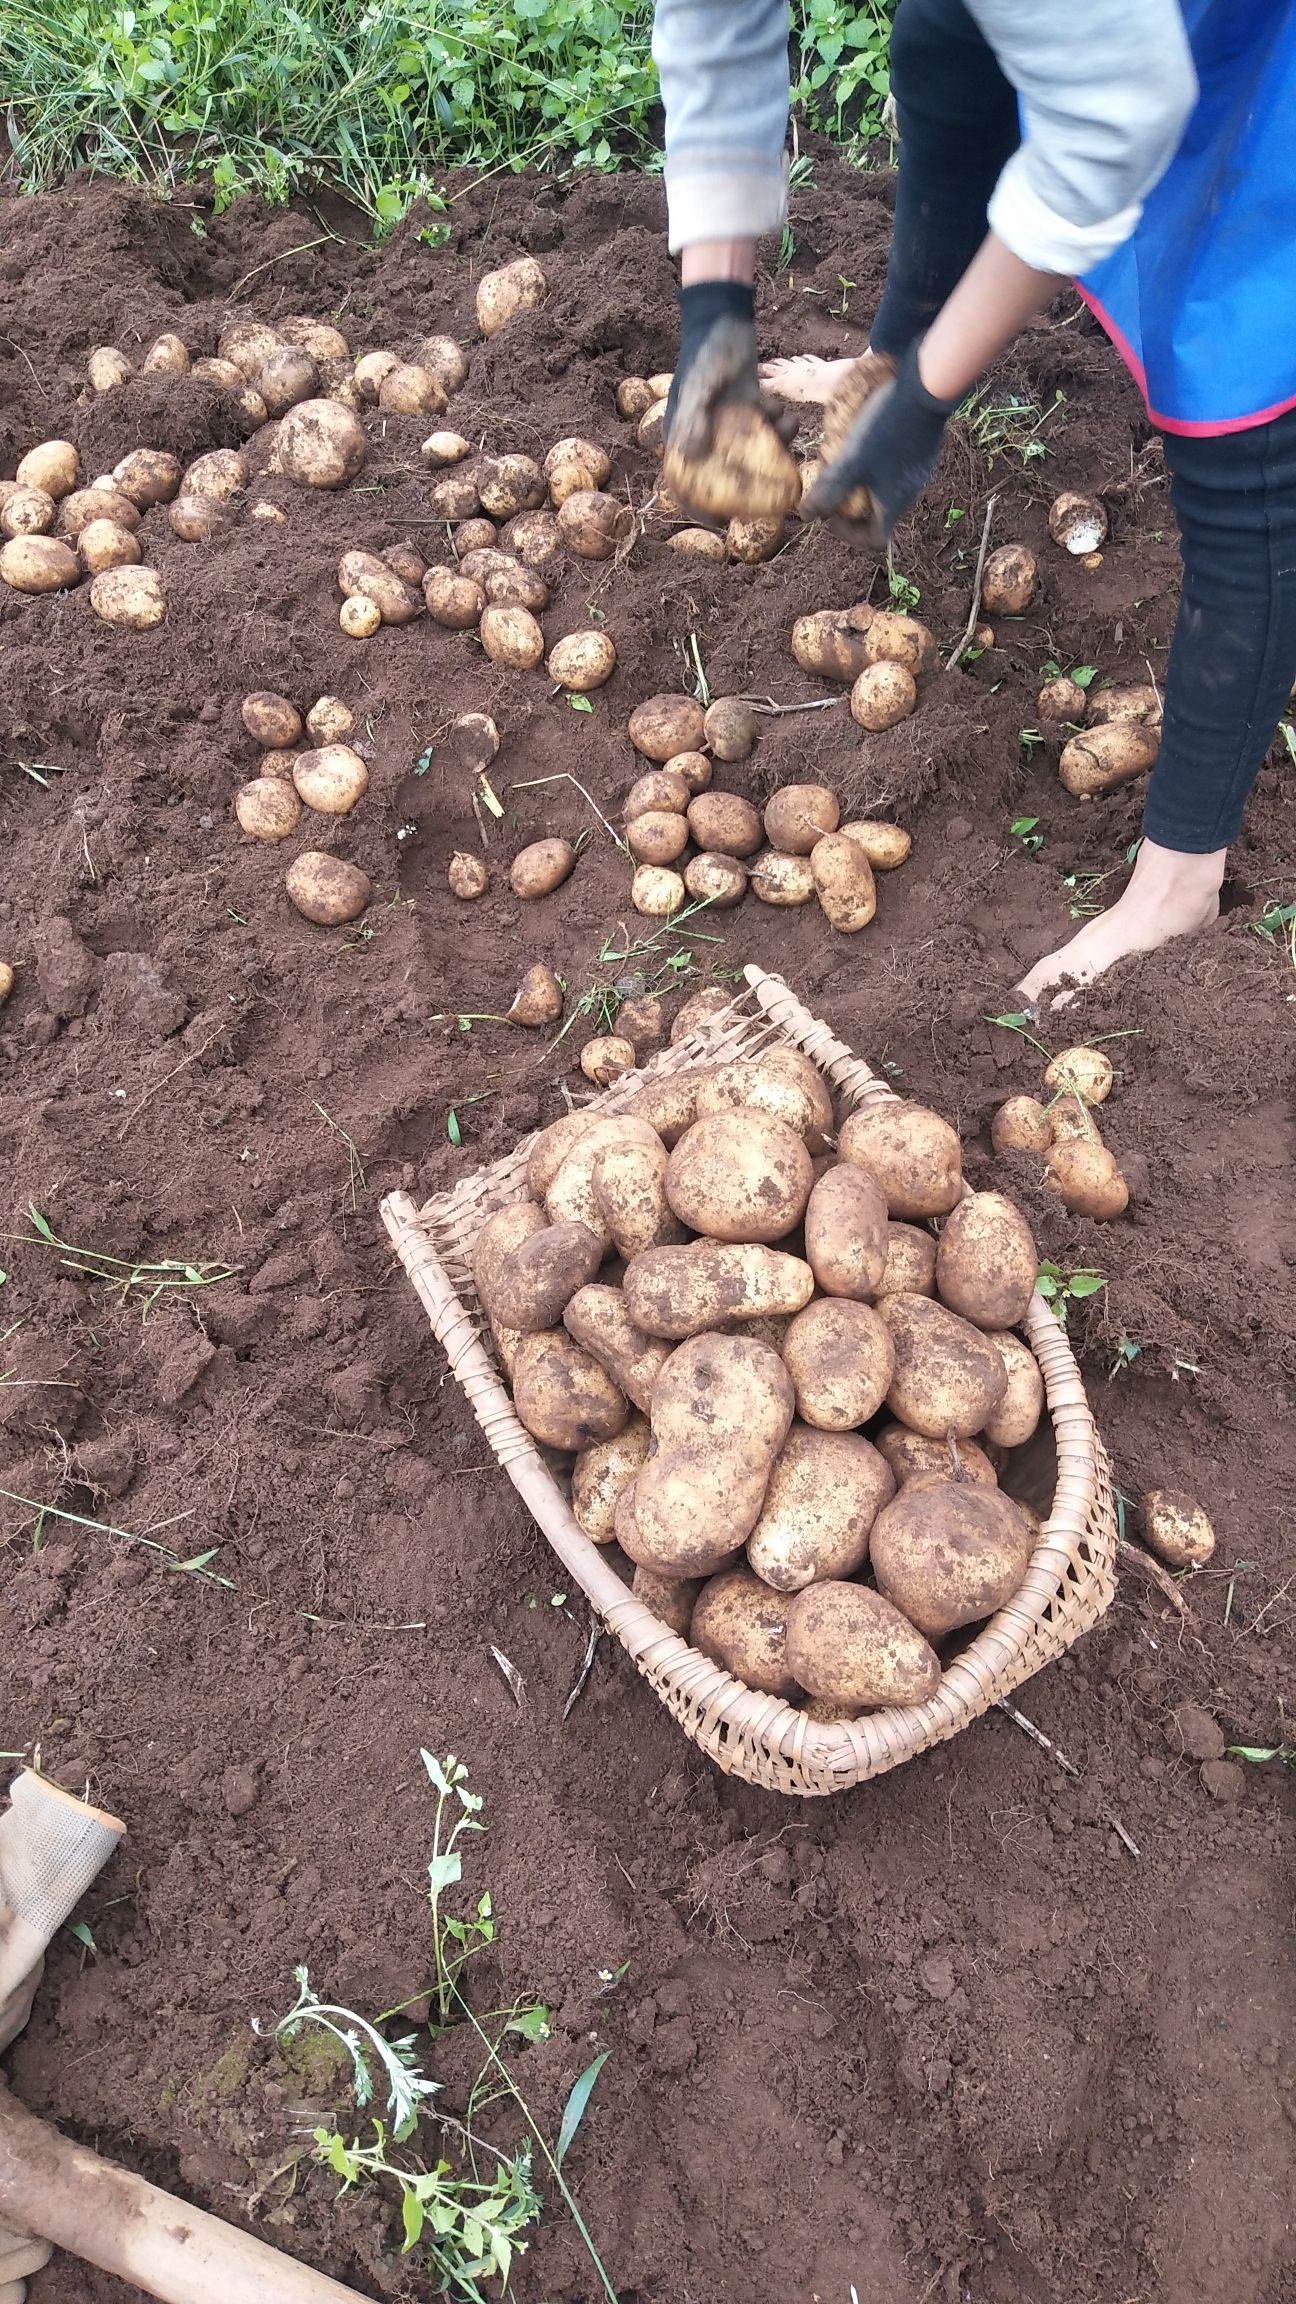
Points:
(221, 473)
(650, 432)
(894, 639)
(656, 892)
(539, 869)
(500, 1237)
(286, 377)
(750, 541)
(729, 727)
(337, 382)
(668, 1105)
(511, 635)
(1021, 1125)
(910, 1268)
(99, 503)
(130, 597)
(452, 600)
(1141, 702)
(779, 879)
(853, 1650)
(270, 719)
(571, 1194)
(268, 808)
(512, 288)
(843, 878)
(798, 815)
(699, 1008)
(1083, 1072)
(253, 412)
(370, 369)
(824, 1494)
(703, 541)
(1078, 523)
(7, 981)
(327, 890)
(740, 1176)
(593, 526)
(106, 368)
(444, 359)
(535, 538)
(885, 845)
(509, 484)
(538, 999)
(1176, 1528)
(575, 465)
(320, 444)
(167, 355)
(913, 1153)
(406, 561)
(778, 1083)
(628, 1180)
(607, 1058)
(740, 1624)
(582, 662)
(408, 390)
(445, 448)
(846, 1232)
(694, 767)
(643, 1023)
(1060, 701)
(466, 876)
(883, 695)
(948, 1376)
(1009, 580)
(26, 512)
(102, 544)
(1106, 757)
(472, 740)
(196, 519)
(913, 1456)
(364, 573)
(724, 1388)
(949, 1552)
(148, 476)
(661, 790)
(657, 837)
(455, 497)
(360, 617)
(716, 880)
(601, 1472)
(1014, 1420)
(279, 764)
(598, 1319)
(691, 1507)
(841, 1359)
(829, 643)
(634, 397)
(665, 725)
(745, 474)
(724, 824)
(531, 1288)
(550, 1148)
(331, 779)
(683, 1291)
(247, 342)
(1086, 1179)
(562, 1395)
(53, 467)
(507, 581)
(671, 1599)
(39, 564)
(317, 337)
(986, 1261)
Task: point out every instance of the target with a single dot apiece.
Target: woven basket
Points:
(1070, 1580)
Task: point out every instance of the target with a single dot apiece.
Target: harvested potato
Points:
(740, 1177)
(914, 1154)
(668, 1104)
(106, 368)
(536, 538)
(1021, 1125)
(740, 1624)
(571, 1195)
(691, 1507)
(406, 561)
(53, 467)
(671, 1599)
(452, 600)
(102, 544)
(699, 1008)
(704, 542)
(986, 1261)
(715, 879)
(511, 635)
(843, 879)
(129, 597)
(98, 503)
(883, 695)
(280, 763)
(841, 1359)
(650, 431)
(510, 484)
(260, 511)
(531, 1288)
(729, 727)
(443, 358)
(657, 837)
(780, 1083)
(1083, 1072)
(539, 869)
(221, 473)
(601, 1472)
(320, 444)
(360, 617)
(370, 369)
(270, 719)
(824, 1493)
(885, 845)
(1077, 522)
(634, 397)
(472, 740)
(364, 573)
(582, 662)
(1139, 701)
(725, 825)
(1060, 701)
(196, 519)
(538, 999)
(910, 1268)
(913, 1456)
(1013, 1422)
(286, 377)
(745, 474)
(593, 525)
(562, 1395)
(663, 726)
(550, 1148)
(853, 1650)
(607, 1058)
(148, 476)
(948, 1376)
(445, 448)
(846, 1232)
(628, 1180)
(656, 892)
(167, 355)
(683, 1291)
(830, 643)
(598, 1319)
(455, 497)
(39, 564)
(252, 409)
(1105, 757)
(318, 337)
(26, 512)
(505, 580)
(1086, 1178)
(643, 1022)
(500, 1236)
(327, 890)
(408, 390)
(268, 808)
(466, 876)
(949, 1552)
(751, 541)
(512, 288)
(331, 779)
(798, 815)
(1176, 1528)
(247, 343)
(895, 639)
(725, 1388)
(573, 466)
(1009, 580)
(660, 791)
(7, 981)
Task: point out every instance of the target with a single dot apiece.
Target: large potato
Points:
(570, 1196)
(453, 600)
(509, 580)
(912, 1152)
(745, 474)
(885, 845)
(532, 1287)
(327, 890)
(286, 377)
(739, 1623)
(538, 999)
(562, 1394)
(318, 337)
(778, 1083)
(148, 476)
(841, 1359)
(511, 288)
(1141, 701)
(948, 1376)
(551, 1147)
(1176, 1528)
(511, 635)
(1102, 758)
(658, 836)
(740, 1177)
(1086, 1178)
(892, 639)
(98, 503)
(671, 1598)
(582, 661)
(629, 1181)
(912, 1456)
(53, 467)
(593, 525)
(601, 1473)
(830, 643)
(851, 1649)
(846, 1232)
(910, 1268)
(724, 1388)
(597, 1318)
(824, 1494)
(664, 725)
(39, 564)
(779, 879)
(843, 878)
(1013, 1422)
(798, 815)
(102, 544)
(320, 444)
(948, 1552)
(536, 538)
(536, 871)
(692, 1507)
(986, 1261)
(1008, 581)
(220, 473)
(724, 823)
(273, 720)
(720, 881)
(408, 390)
(129, 597)
(682, 1291)
(331, 779)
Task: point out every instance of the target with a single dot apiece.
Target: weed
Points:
(905, 595)
(1025, 829)
(1258, 1753)
(1031, 741)
(1277, 924)
(1009, 425)
(123, 1273)
(1083, 674)
(1062, 1289)
(197, 1566)
(1123, 1356)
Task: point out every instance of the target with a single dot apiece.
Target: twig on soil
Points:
(1153, 1569)
(517, 1684)
(284, 253)
(587, 1666)
(771, 710)
(564, 776)
(195, 1567)
(975, 609)
(158, 1085)
(1122, 1835)
(1037, 1735)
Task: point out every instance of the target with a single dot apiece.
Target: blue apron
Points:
(1199, 300)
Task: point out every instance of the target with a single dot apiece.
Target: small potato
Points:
(535, 538)
(779, 1083)
(270, 719)
(511, 288)
(38, 564)
(824, 1494)
(693, 767)
(656, 892)
(1013, 1422)
(167, 355)
(280, 763)
(285, 378)
(1106, 757)
(1140, 701)
(704, 542)
(130, 597)
(948, 1376)
(751, 541)
(779, 879)
(196, 519)
(684, 1291)
(669, 1105)
(364, 573)
(452, 600)
(332, 779)
(841, 1359)
(740, 1177)
(106, 368)
(913, 1153)
(594, 526)
(223, 373)
(1021, 1125)
(408, 390)
(582, 662)
(1061, 701)
(829, 643)
(912, 1456)
(53, 467)
(267, 808)
(671, 1599)
(629, 1186)
(798, 815)
(717, 880)
(102, 544)
(473, 740)
(892, 639)
(1086, 1179)
(222, 473)
(729, 727)
(317, 337)
(360, 617)
(910, 1268)
(445, 448)
(466, 876)
(745, 474)
(1009, 581)
(740, 1624)
(320, 444)
(562, 1395)
(948, 1553)
(27, 512)
(573, 465)
(657, 837)
(606, 1059)
(510, 484)
(853, 1650)
(327, 890)
(539, 869)
(99, 503)
(1078, 523)
(883, 695)
(1083, 1072)
(455, 497)
(253, 412)
(986, 1261)
(885, 845)
(634, 397)
(370, 369)
(511, 583)
(511, 635)
(538, 999)
(643, 1022)
(699, 1008)
(148, 476)
(531, 1288)
(601, 1472)
(650, 431)
(725, 824)
(846, 1232)
(662, 790)
(843, 879)
(598, 1320)
(1176, 1528)
(664, 725)
(474, 536)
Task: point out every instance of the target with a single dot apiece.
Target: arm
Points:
(723, 67)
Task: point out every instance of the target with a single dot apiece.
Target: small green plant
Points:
(454, 1941)
(124, 1274)
(905, 595)
(1277, 924)
(1124, 1354)
(1008, 425)
(1025, 830)
(1259, 1753)
(1062, 1289)
(197, 1566)
(1031, 741)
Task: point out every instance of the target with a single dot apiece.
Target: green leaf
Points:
(453, 1129)
(1084, 674)
(575, 2108)
(45, 1230)
(412, 2219)
(580, 703)
(530, 2023)
(82, 1934)
(1086, 1283)
(445, 1870)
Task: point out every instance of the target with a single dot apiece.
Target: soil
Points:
(947, 2037)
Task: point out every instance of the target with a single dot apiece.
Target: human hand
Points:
(716, 366)
(889, 450)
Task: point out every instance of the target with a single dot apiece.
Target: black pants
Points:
(1233, 656)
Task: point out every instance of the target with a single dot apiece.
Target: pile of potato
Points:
(97, 529)
(1115, 732)
(327, 775)
(885, 658)
(783, 1395)
(1077, 1164)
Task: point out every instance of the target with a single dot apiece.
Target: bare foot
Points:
(1169, 894)
(805, 381)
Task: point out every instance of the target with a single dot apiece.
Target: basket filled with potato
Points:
(781, 1393)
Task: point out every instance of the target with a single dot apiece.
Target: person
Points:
(1141, 147)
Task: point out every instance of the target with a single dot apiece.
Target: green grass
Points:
(376, 98)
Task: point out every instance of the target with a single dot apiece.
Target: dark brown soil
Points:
(945, 2038)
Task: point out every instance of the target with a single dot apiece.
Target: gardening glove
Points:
(890, 450)
(51, 1848)
(716, 365)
